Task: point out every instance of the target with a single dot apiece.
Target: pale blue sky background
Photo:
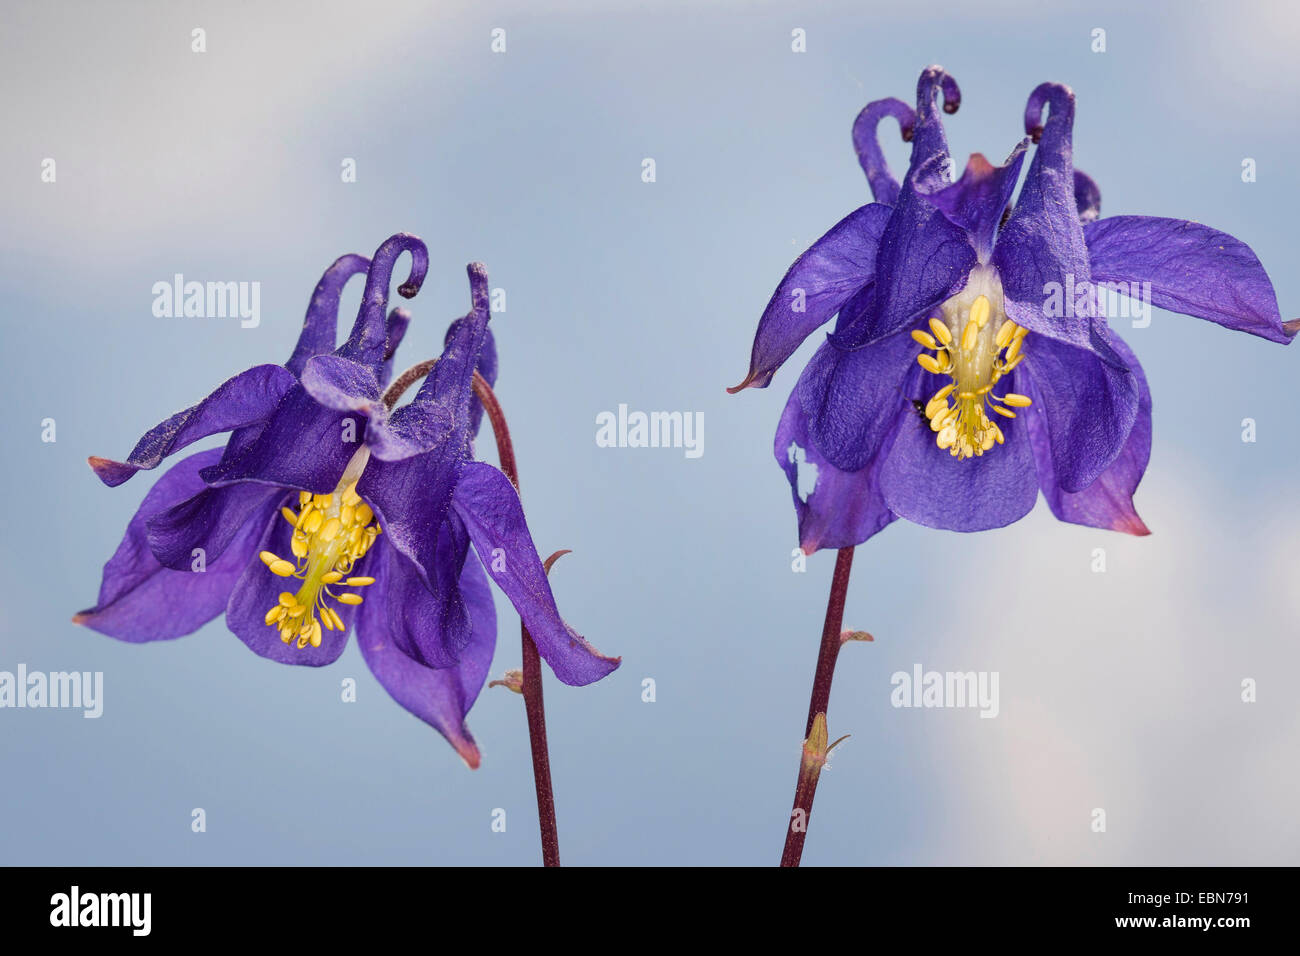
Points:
(1119, 690)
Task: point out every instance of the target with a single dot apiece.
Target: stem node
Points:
(815, 748)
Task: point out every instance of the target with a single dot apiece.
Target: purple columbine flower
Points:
(969, 366)
(324, 510)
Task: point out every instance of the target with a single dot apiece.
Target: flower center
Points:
(330, 535)
(974, 344)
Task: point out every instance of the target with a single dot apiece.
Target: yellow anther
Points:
(940, 331)
(1017, 401)
(959, 413)
(332, 533)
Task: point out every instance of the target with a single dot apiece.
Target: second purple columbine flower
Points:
(962, 375)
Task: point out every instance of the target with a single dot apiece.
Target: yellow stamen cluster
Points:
(330, 534)
(974, 352)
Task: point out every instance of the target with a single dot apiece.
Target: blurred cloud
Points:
(116, 95)
(1122, 690)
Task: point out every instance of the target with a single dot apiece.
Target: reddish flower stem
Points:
(505, 448)
(406, 380)
(534, 706)
(806, 783)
